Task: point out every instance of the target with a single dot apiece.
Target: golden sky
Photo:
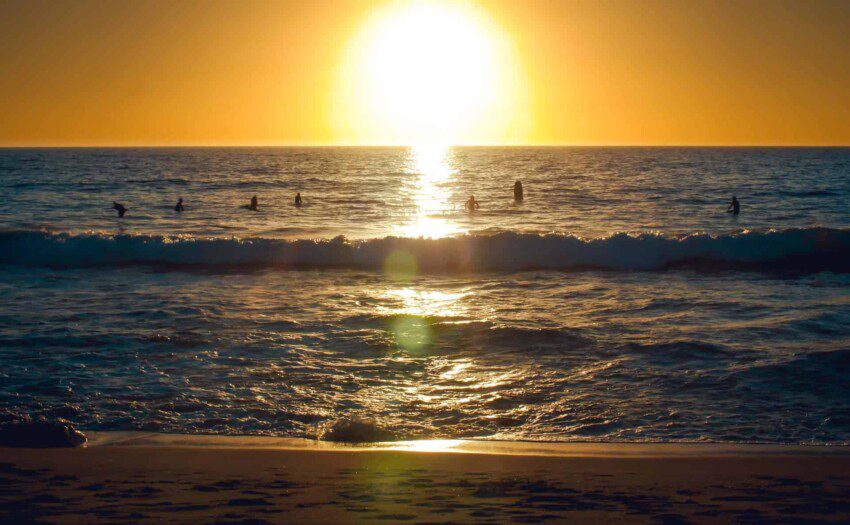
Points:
(489, 72)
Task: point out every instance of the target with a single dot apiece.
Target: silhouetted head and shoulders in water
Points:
(734, 206)
(119, 208)
(471, 204)
(254, 206)
(298, 199)
(518, 193)
(179, 206)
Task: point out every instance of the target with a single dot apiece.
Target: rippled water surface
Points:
(697, 325)
(373, 192)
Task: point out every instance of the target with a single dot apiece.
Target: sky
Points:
(346, 72)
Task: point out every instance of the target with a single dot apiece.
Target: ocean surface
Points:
(617, 302)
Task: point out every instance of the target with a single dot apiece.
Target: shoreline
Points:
(465, 446)
(152, 478)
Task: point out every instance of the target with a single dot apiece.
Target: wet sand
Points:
(150, 478)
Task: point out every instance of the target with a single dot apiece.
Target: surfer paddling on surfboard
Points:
(119, 208)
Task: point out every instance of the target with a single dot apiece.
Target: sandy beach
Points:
(122, 478)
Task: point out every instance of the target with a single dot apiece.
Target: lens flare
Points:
(400, 265)
(412, 333)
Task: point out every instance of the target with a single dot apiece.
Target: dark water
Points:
(691, 325)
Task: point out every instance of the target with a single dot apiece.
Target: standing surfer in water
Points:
(734, 206)
(254, 204)
(179, 206)
(518, 194)
(298, 199)
(471, 204)
(119, 208)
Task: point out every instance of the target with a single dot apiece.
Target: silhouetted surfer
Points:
(734, 206)
(298, 199)
(179, 206)
(472, 204)
(253, 205)
(518, 196)
(119, 208)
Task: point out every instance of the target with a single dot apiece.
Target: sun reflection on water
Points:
(430, 192)
(426, 303)
(413, 329)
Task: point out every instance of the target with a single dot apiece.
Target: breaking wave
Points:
(798, 249)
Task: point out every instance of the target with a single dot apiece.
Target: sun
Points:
(429, 72)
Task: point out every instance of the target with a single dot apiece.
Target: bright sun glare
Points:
(429, 72)
(428, 191)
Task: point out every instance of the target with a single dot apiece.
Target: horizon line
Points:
(295, 145)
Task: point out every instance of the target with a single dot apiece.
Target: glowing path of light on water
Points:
(431, 193)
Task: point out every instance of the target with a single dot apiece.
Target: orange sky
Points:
(561, 72)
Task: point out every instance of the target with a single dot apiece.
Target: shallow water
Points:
(699, 326)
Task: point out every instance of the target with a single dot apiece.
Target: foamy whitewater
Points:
(618, 301)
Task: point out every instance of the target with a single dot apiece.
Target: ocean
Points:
(619, 301)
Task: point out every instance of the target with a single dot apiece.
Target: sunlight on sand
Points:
(430, 445)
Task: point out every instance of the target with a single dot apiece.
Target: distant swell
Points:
(809, 249)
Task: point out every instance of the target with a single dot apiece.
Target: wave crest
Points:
(356, 430)
(799, 249)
